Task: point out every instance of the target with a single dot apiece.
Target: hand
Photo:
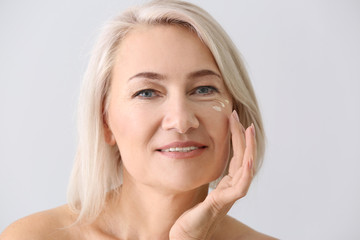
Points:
(200, 221)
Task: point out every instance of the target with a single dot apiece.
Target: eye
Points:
(146, 93)
(205, 90)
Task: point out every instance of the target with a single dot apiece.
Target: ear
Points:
(109, 136)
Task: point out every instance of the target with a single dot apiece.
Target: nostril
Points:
(180, 117)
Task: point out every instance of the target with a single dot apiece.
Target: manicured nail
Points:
(253, 129)
(236, 116)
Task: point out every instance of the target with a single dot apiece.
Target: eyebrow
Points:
(148, 75)
(192, 75)
(203, 73)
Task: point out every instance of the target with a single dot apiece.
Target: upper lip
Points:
(182, 145)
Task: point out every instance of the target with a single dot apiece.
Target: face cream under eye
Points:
(217, 108)
(219, 104)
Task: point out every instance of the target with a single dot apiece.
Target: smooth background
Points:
(303, 58)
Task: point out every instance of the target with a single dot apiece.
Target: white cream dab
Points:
(217, 108)
(222, 104)
(227, 101)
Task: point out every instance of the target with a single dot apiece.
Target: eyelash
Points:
(212, 90)
(137, 94)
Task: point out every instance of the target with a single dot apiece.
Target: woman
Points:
(160, 119)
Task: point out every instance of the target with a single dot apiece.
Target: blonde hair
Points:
(97, 167)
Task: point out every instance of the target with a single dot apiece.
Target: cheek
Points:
(130, 122)
(131, 131)
(215, 116)
(218, 110)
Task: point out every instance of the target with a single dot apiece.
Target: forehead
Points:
(167, 49)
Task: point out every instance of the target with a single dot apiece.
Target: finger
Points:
(250, 150)
(244, 182)
(239, 186)
(238, 143)
(249, 153)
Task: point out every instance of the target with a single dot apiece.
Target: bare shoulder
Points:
(49, 224)
(232, 229)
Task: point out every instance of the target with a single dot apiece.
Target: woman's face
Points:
(168, 109)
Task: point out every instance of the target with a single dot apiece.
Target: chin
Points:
(188, 182)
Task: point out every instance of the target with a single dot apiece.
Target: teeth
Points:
(179, 149)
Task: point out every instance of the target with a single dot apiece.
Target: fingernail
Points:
(253, 129)
(236, 116)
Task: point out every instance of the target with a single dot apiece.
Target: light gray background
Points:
(303, 58)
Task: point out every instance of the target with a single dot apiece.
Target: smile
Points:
(180, 149)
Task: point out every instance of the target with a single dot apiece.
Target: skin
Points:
(165, 84)
(178, 109)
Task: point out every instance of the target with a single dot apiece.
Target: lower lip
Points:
(183, 155)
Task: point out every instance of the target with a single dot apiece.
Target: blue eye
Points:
(146, 93)
(205, 90)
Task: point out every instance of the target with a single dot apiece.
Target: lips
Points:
(181, 147)
(182, 150)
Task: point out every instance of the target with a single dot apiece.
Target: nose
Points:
(179, 115)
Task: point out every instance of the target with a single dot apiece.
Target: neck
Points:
(143, 212)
